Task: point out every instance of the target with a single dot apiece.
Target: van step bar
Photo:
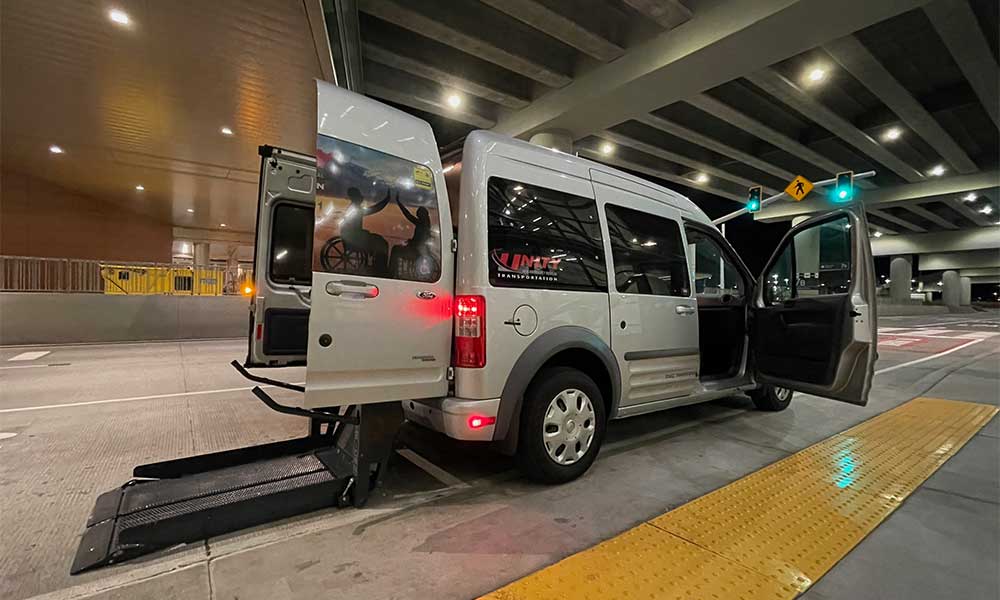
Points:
(191, 499)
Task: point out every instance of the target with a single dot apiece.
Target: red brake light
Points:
(478, 422)
(470, 332)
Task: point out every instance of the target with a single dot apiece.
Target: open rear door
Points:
(279, 306)
(383, 270)
(814, 322)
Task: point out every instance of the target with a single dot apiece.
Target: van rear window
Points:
(543, 239)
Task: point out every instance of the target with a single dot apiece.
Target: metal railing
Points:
(34, 274)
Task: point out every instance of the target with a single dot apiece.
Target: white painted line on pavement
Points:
(24, 367)
(926, 358)
(29, 355)
(432, 469)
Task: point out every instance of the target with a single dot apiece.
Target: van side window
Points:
(291, 244)
(647, 252)
(376, 214)
(543, 239)
(715, 275)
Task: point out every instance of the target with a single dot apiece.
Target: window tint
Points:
(376, 214)
(714, 273)
(648, 253)
(817, 262)
(291, 244)
(542, 238)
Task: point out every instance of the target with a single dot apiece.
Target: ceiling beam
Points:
(963, 208)
(943, 187)
(346, 43)
(623, 140)
(436, 29)
(403, 88)
(420, 68)
(658, 173)
(321, 38)
(784, 90)
(721, 42)
(667, 13)
(192, 234)
(754, 127)
(550, 22)
(714, 145)
(959, 29)
(862, 64)
(894, 219)
(931, 216)
(977, 238)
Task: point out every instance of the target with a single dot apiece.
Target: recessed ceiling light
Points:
(55, 149)
(454, 100)
(892, 134)
(970, 197)
(226, 131)
(607, 148)
(936, 171)
(222, 224)
(190, 210)
(119, 16)
(986, 209)
(702, 178)
(877, 234)
(816, 74)
(139, 188)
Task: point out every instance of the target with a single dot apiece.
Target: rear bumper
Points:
(451, 416)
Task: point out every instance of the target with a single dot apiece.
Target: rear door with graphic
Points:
(380, 325)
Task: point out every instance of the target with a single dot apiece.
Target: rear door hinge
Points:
(451, 374)
(454, 244)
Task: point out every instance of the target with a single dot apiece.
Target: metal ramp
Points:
(191, 499)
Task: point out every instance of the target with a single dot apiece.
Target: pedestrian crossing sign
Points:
(798, 188)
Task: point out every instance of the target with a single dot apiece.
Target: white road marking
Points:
(29, 355)
(6, 435)
(431, 469)
(24, 367)
(926, 358)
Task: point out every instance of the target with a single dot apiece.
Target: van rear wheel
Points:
(562, 425)
(771, 398)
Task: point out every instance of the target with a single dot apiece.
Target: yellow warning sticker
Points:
(422, 178)
(798, 188)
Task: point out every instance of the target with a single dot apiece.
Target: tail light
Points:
(470, 332)
(478, 422)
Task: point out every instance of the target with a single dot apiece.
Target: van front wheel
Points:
(771, 398)
(562, 425)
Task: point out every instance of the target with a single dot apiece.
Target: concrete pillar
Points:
(951, 289)
(557, 139)
(900, 273)
(965, 295)
(201, 256)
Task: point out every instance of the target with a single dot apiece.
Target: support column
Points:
(900, 273)
(951, 289)
(201, 256)
(557, 139)
(965, 296)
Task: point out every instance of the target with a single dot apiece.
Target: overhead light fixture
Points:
(139, 188)
(877, 234)
(986, 209)
(970, 197)
(448, 169)
(222, 224)
(892, 134)
(816, 74)
(940, 283)
(702, 178)
(56, 149)
(119, 16)
(226, 131)
(190, 210)
(607, 148)
(936, 171)
(454, 100)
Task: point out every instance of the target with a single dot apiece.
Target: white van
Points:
(545, 295)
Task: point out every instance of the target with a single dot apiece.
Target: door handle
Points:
(684, 310)
(426, 295)
(351, 288)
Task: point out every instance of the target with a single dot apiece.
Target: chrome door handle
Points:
(684, 310)
(426, 295)
(351, 288)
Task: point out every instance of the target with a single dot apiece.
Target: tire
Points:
(570, 395)
(770, 398)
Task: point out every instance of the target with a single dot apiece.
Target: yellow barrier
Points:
(172, 280)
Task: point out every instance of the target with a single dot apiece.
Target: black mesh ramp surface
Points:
(144, 516)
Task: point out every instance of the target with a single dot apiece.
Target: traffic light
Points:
(843, 190)
(754, 199)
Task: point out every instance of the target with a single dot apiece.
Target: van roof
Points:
(581, 167)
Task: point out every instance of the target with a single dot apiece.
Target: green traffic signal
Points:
(754, 199)
(843, 189)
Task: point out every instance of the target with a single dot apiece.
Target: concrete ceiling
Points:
(678, 87)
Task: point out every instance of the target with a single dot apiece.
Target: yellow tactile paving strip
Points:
(770, 535)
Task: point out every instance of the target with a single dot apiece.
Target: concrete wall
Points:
(38, 218)
(42, 318)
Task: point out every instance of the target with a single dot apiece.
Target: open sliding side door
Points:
(814, 321)
(279, 306)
